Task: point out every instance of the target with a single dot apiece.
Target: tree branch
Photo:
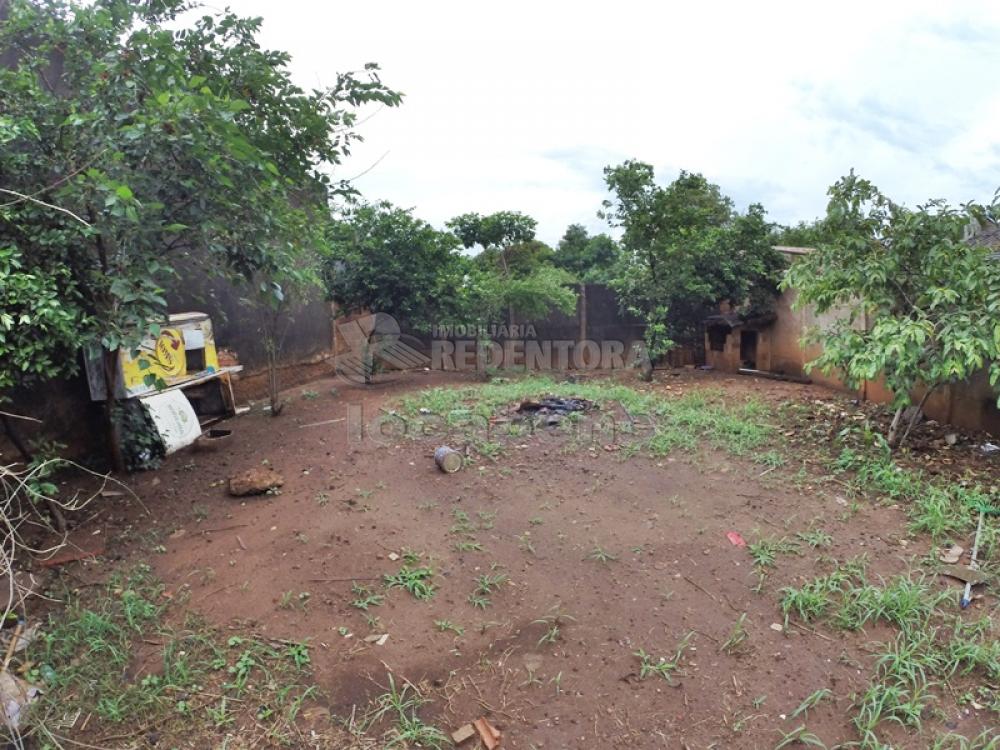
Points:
(24, 197)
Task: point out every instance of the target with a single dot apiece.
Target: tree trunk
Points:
(273, 384)
(916, 415)
(109, 359)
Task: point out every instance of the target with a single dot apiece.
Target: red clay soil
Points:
(347, 504)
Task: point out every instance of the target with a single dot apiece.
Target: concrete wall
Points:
(307, 327)
(597, 318)
(970, 404)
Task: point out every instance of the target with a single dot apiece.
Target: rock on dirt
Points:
(951, 555)
(463, 734)
(254, 482)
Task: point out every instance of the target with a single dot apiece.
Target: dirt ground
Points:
(282, 565)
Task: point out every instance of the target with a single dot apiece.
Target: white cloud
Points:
(520, 105)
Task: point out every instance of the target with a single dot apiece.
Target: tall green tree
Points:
(588, 258)
(129, 139)
(915, 301)
(383, 259)
(685, 251)
(513, 273)
(803, 234)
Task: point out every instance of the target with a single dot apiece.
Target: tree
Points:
(514, 272)
(496, 231)
(589, 259)
(385, 260)
(685, 250)
(290, 276)
(918, 302)
(803, 234)
(128, 141)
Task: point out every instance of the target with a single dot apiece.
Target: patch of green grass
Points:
(486, 585)
(463, 524)
(986, 740)
(446, 625)
(904, 602)
(290, 600)
(771, 459)
(468, 546)
(398, 707)
(932, 644)
(415, 580)
(365, 597)
(663, 667)
(799, 736)
(677, 422)
(411, 556)
(667, 438)
(478, 600)
(811, 701)
(815, 538)
(553, 627)
(737, 636)
(815, 597)
(602, 555)
(937, 507)
(193, 679)
(765, 551)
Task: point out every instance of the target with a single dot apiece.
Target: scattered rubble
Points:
(488, 733)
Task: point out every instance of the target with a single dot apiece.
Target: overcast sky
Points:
(520, 105)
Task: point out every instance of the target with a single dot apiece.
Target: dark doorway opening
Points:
(748, 349)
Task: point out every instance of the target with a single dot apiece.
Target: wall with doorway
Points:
(971, 404)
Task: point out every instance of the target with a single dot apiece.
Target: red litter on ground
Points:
(736, 539)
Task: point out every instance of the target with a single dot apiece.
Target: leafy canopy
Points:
(129, 140)
(685, 250)
(589, 259)
(513, 274)
(918, 301)
(384, 259)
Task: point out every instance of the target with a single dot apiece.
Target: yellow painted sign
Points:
(163, 359)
